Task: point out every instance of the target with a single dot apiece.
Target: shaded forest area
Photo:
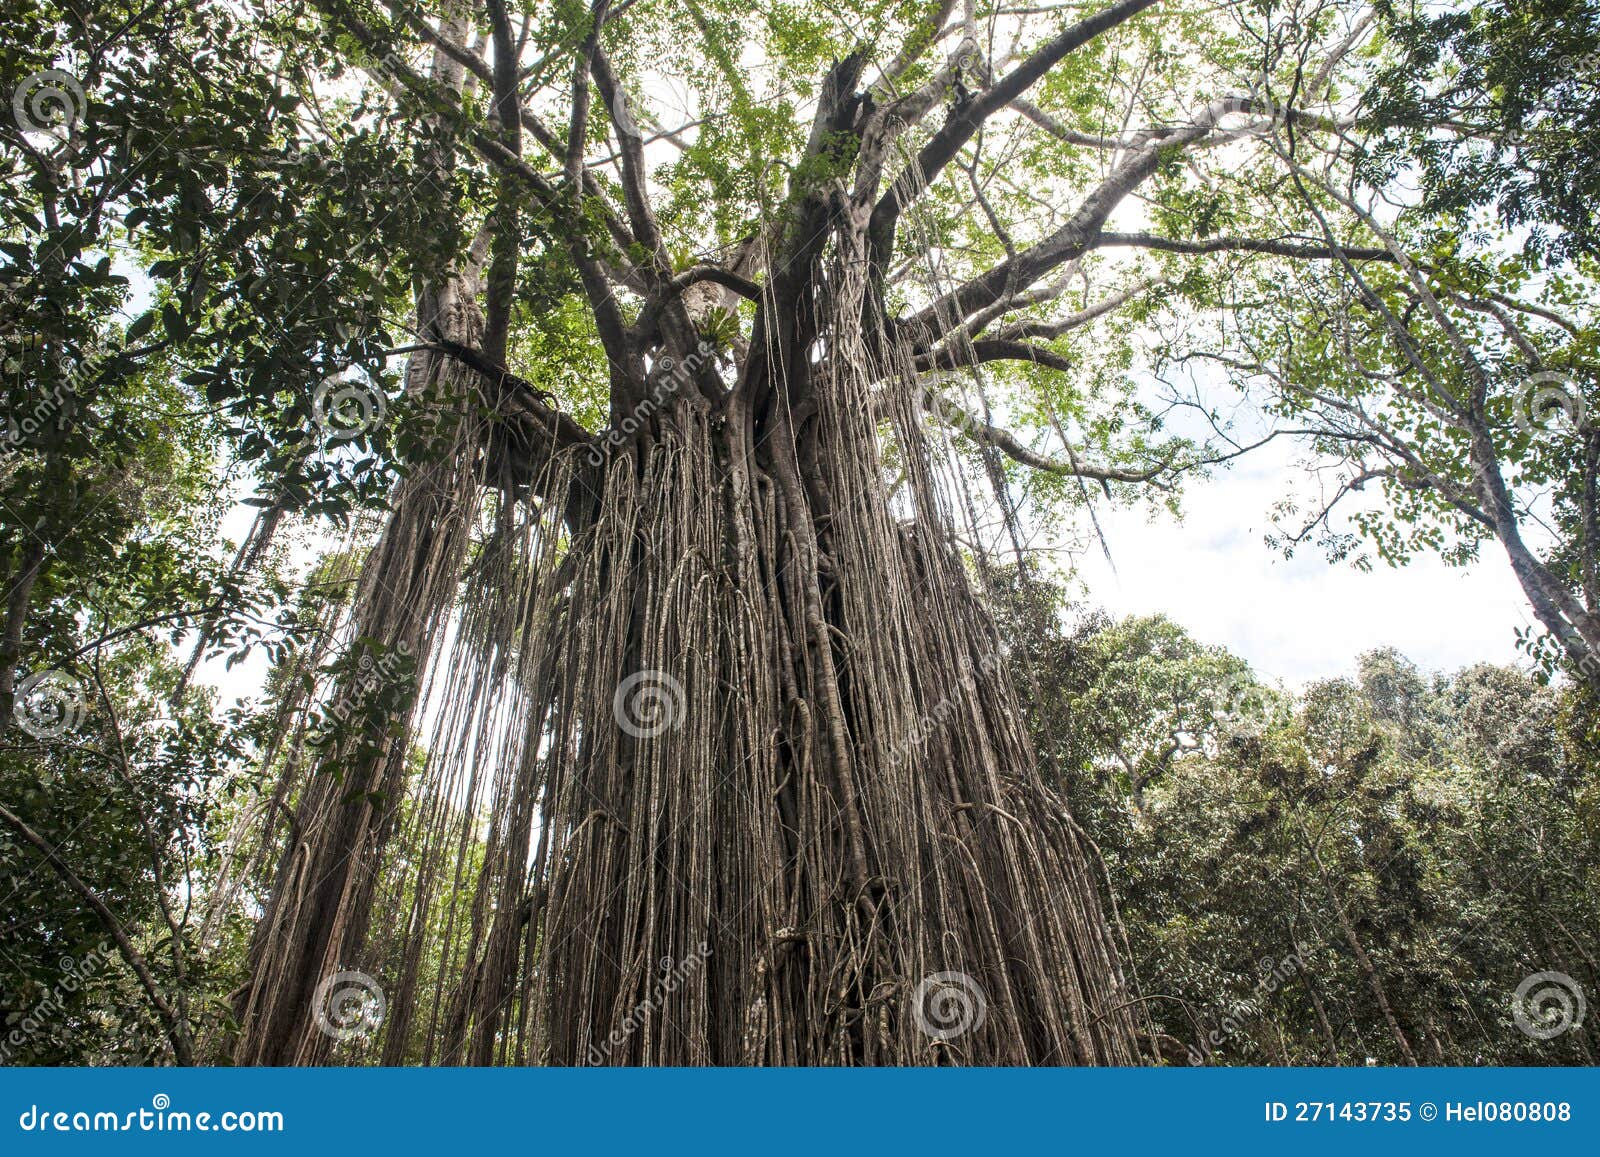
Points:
(543, 532)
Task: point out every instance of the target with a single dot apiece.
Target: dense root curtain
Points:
(722, 767)
(346, 766)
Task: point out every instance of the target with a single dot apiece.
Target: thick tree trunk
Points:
(842, 807)
(750, 784)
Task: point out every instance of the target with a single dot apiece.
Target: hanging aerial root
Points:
(729, 771)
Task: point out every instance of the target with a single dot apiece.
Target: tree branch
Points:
(965, 120)
(565, 429)
(990, 350)
(1006, 442)
(608, 317)
(1276, 246)
(177, 1030)
(1073, 239)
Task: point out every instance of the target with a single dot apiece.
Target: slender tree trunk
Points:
(19, 593)
(1364, 961)
(1322, 1018)
(316, 923)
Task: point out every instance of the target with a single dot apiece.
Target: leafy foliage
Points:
(1432, 837)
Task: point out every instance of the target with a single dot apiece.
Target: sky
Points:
(1302, 618)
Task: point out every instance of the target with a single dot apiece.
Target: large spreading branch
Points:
(965, 120)
(974, 353)
(1276, 246)
(1072, 240)
(563, 429)
(593, 192)
(597, 288)
(946, 334)
(1074, 465)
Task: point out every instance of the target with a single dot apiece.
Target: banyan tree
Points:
(674, 729)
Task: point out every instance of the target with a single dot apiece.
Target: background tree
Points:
(1366, 872)
(1445, 396)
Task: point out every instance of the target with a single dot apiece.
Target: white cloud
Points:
(1300, 618)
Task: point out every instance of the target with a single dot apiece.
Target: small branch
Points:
(991, 350)
(726, 278)
(567, 430)
(1276, 246)
(1008, 443)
